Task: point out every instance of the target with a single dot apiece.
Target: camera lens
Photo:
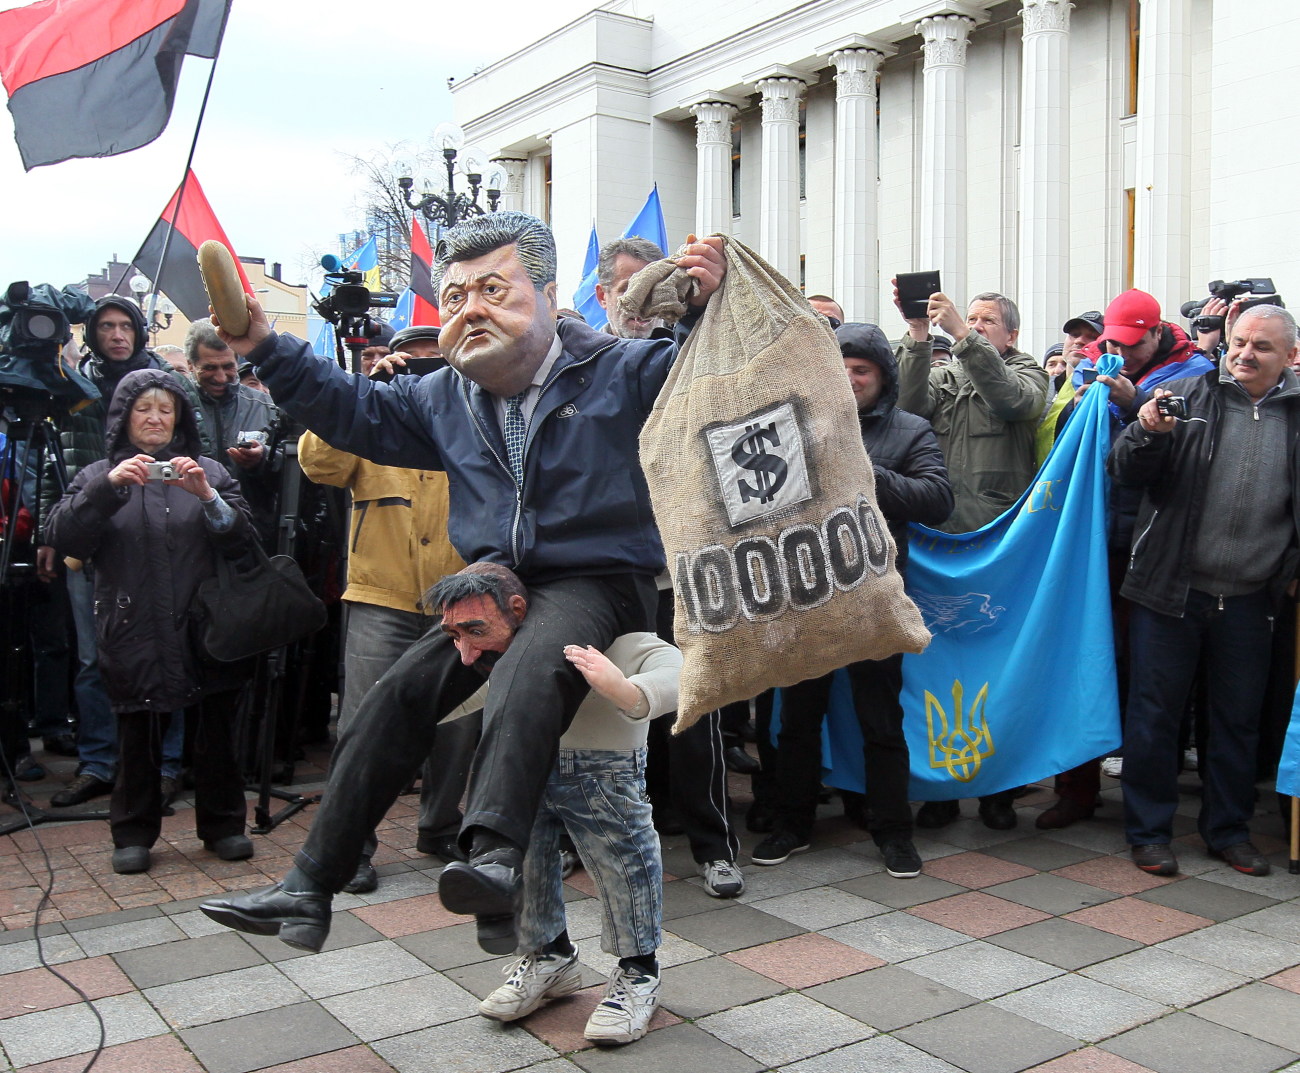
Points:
(42, 326)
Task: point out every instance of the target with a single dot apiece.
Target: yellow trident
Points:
(962, 747)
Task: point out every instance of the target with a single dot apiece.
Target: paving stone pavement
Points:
(1043, 951)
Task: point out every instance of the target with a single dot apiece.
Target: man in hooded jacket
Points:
(116, 335)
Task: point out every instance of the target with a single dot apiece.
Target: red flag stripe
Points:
(55, 36)
(425, 310)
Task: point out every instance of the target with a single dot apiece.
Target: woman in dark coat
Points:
(153, 541)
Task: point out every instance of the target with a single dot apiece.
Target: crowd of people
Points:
(507, 625)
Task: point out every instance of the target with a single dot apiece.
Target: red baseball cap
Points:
(1130, 316)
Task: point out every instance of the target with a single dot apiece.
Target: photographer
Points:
(154, 537)
(1214, 549)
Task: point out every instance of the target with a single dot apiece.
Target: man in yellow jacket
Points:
(397, 549)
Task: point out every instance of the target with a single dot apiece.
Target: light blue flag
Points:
(365, 259)
(323, 340)
(649, 222)
(1019, 682)
(403, 310)
(1288, 768)
(584, 298)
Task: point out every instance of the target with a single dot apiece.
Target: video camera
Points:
(1229, 290)
(348, 305)
(35, 322)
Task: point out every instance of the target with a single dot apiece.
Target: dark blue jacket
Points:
(583, 507)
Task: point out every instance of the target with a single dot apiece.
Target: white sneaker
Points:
(623, 1015)
(1113, 766)
(532, 982)
(722, 879)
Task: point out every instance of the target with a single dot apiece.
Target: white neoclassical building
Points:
(1057, 152)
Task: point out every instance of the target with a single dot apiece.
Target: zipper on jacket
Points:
(1132, 558)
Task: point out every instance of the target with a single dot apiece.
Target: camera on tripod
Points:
(35, 322)
(1228, 291)
(348, 306)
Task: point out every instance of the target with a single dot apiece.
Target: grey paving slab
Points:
(1051, 894)
(585, 918)
(472, 1045)
(404, 884)
(345, 930)
(1042, 852)
(405, 1006)
(703, 987)
(21, 935)
(767, 882)
(1260, 1010)
(1182, 1043)
(901, 893)
(672, 951)
(57, 948)
(734, 928)
(889, 997)
(118, 916)
(684, 898)
(1162, 975)
(1213, 900)
(1102, 837)
(150, 931)
(896, 936)
(982, 969)
(1236, 949)
(984, 1039)
(876, 1055)
(224, 995)
(836, 864)
(970, 833)
(266, 1039)
(1064, 943)
(678, 1047)
(196, 924)
(1280, 884)
(1083, 1008)
(50, 1034)
(153, 965)
(353, 968)
(820, 907)
(445, 948)
(1280, 921)
(806, 1028)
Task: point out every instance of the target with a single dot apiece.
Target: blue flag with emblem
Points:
(365, 259)
(403, 310)
(648, 224)
(1019, 682)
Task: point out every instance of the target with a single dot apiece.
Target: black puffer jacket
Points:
(151, 548)
(911, 478)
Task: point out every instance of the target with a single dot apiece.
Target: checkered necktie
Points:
(515, 431)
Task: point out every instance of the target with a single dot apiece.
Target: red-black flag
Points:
(195, 223)
(426, 302)
(93, 78)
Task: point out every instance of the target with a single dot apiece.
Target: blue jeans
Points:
(599, 798)
(1235, 643)
(97, 726)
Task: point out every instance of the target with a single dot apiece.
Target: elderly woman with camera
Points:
(154, 516)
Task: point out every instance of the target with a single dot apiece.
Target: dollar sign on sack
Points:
(750, 451)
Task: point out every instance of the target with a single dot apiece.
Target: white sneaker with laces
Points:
(722, 879)
(1112, 766)
(532, 982)
(623, 1015)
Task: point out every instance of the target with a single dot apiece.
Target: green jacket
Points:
(984, 407)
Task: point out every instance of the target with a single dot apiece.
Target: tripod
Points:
(31, 451)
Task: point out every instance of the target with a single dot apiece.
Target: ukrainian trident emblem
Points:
(959, 744)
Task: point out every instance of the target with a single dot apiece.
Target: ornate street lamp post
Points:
(159, 304)
(447, 208)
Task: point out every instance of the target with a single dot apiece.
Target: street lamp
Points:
(161, 305)
(447, 209)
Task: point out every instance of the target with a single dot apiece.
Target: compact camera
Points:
(1174, 406)
(161, 471)
(251, 439)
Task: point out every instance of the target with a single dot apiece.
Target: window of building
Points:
(1134, 19)
(735, 168)
(546, 189)
(803, 148)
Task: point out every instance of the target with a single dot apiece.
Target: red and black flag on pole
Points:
(426, 302)
(193, 224)
(90, 78)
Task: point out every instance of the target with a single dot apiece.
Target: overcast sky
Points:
(298, 84)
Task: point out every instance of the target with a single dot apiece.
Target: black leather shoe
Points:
(483, 888)
(80, 790)
(365, 880)
(231, 848)
(64, 744)
(1244, 857)
(1157, 858)
(740, 762)
(444, 846)
(130, 860)
(301, 920)
(997, 813)
(934, 814)
(496, 934)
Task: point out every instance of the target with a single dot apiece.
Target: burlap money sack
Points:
(781, 562)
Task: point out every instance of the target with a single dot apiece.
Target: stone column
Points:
(1163, 226)
(778, 231)
(943, 151)
(512, 193)
(713, 208)
(1043, 291)
(855, 262)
